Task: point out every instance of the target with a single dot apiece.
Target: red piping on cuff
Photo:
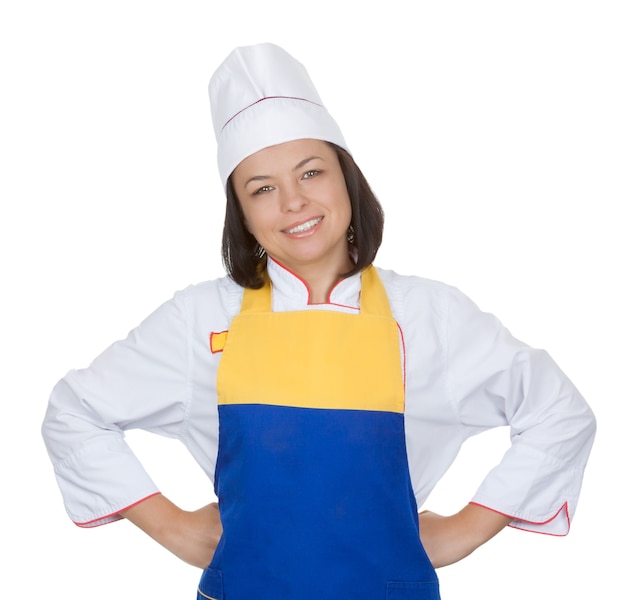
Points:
(564, 507)
(111, 517)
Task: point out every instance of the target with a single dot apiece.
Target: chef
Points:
(322, 396)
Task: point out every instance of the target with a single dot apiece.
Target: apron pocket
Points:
(211, 585)
(413, 590)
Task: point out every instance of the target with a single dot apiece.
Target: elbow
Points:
(49, 429)
(55, 425)
(592, 425)
(47, 423)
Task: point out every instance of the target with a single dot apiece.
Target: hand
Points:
(190, 535)
(198, 534)
(450, 539)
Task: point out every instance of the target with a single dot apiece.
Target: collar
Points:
(290, 292)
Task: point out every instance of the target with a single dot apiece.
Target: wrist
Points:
(159, 518)
(479, 524)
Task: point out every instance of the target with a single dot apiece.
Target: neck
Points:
(320, 286)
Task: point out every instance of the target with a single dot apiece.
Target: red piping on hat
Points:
(270, 98)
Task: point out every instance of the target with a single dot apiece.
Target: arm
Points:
(191, 536)
(496, 380)
(140, 382)
(447, 540)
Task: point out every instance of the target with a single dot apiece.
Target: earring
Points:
(350, 235)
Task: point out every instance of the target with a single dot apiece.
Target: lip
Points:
(306, 232)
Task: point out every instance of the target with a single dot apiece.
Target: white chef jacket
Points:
(464, 374)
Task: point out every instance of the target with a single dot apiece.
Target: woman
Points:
(324, 397)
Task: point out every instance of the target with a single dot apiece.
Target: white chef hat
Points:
(261, 96)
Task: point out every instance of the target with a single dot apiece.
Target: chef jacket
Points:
(464, 373)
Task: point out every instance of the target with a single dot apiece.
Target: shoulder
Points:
(216, 298)
(410, 290)
(393, 280)
(222, 288)
(418, 299)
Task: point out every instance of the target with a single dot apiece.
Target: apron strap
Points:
(257, 301)
(374, 301)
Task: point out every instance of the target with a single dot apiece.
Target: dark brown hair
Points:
(244, 258)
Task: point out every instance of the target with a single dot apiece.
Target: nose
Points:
(292, 199)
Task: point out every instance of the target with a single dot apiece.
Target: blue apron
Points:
(312, 475)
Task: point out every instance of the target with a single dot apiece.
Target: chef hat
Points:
(261, 96)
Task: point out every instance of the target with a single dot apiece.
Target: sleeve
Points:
(496, 380)
(140, 382)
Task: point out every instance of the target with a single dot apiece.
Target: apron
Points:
(312, 475)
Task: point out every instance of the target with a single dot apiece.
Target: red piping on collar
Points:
(308, 289)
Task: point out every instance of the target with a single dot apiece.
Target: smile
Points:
(304, 226)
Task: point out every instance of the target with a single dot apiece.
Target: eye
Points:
(263, 190)
(311, 173)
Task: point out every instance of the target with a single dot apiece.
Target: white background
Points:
(494, 135)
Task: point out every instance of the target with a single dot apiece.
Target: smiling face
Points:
(295, 203)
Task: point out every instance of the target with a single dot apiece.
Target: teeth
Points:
(304, 226)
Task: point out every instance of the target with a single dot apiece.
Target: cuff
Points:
(101, 480)
(557, 525)
(539, 492)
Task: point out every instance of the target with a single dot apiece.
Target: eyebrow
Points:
(305, 161)
(298, 166)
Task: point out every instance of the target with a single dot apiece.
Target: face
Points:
(295, 203)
